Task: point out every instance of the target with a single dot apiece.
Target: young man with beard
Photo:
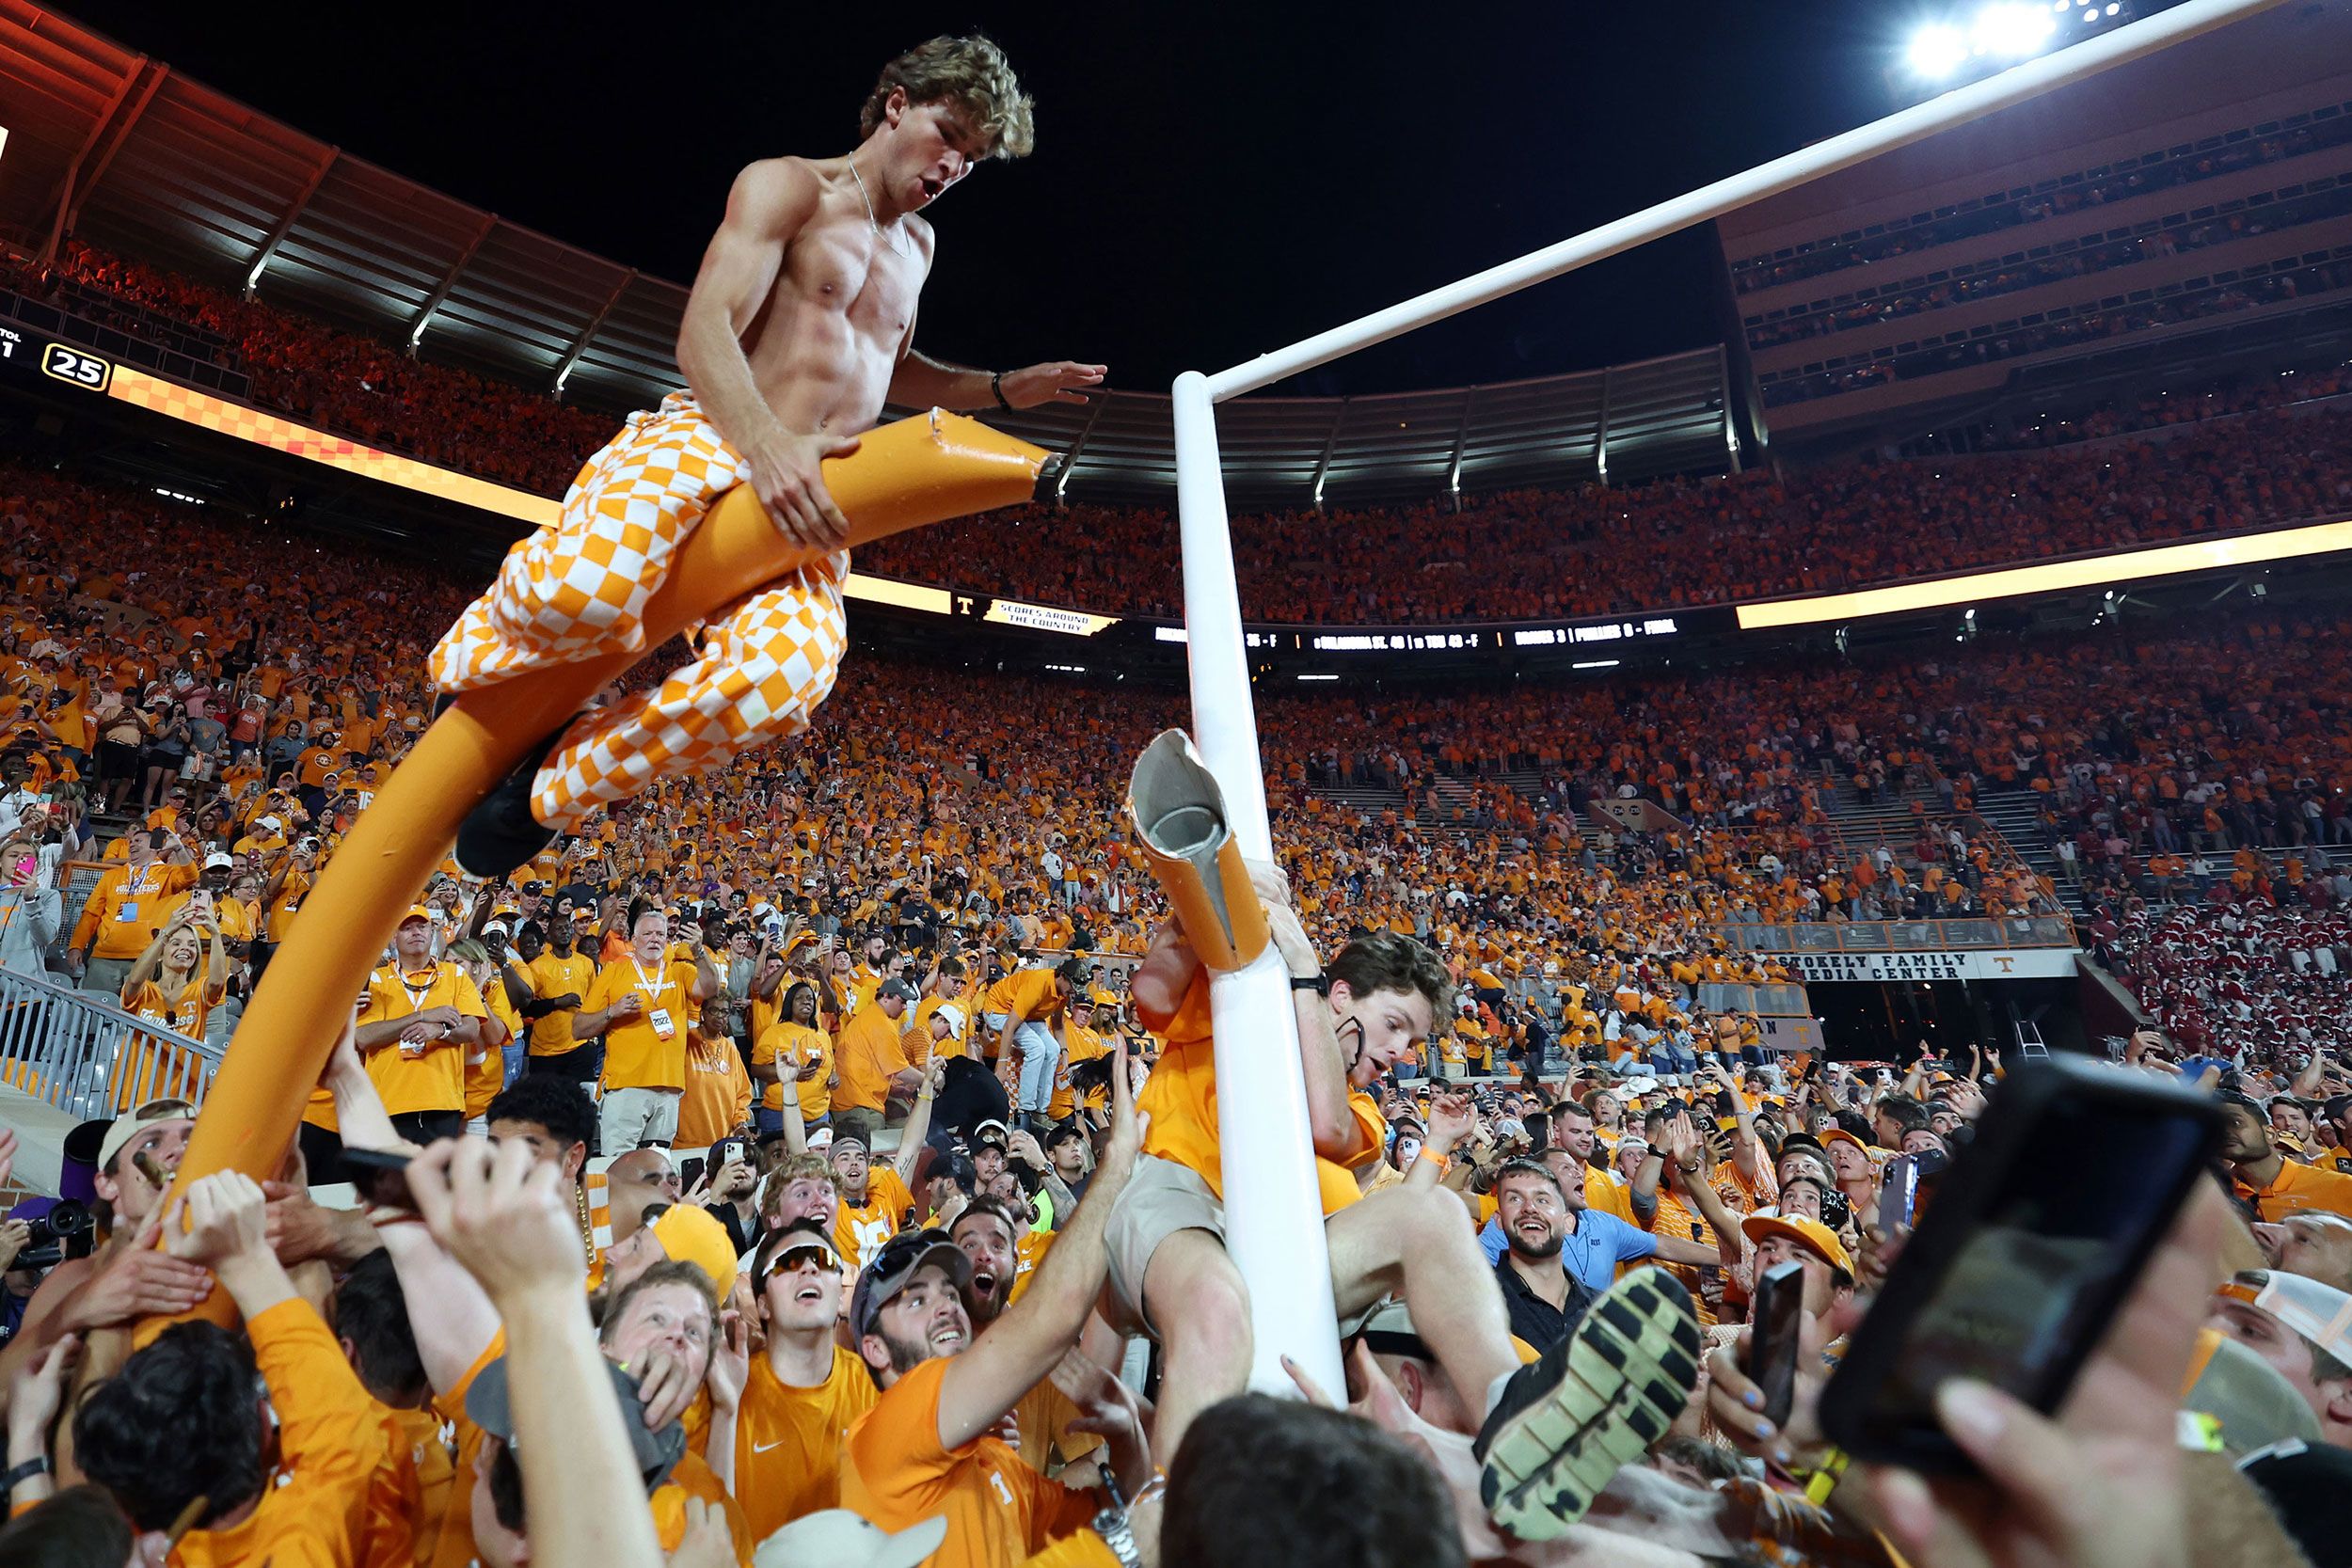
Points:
(803, 1391)
(2273, 1185)
(927, 1446)
(990, 1235)
(1171, 1277)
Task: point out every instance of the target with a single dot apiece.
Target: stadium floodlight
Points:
(1273, 1220)
(1938, 50)
(2011, 30)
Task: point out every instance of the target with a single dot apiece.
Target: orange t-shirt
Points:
(1180, 1096)
(860, 1230)
(999, 1511)
(866, 1056)
(431, 1077)
(787, 1440)
(647, 1052)
(791, 1047)
(718, 1096)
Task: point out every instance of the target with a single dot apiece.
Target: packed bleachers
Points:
(2002, 210)
(1509, 556)
(342, 381)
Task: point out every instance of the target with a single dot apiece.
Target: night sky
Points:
(1211, 180)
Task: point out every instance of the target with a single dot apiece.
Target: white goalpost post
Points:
(1272, 1212)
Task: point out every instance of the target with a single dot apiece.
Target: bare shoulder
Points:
(777, 191)
(926, 238)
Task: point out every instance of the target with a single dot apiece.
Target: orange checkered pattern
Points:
(765, 666)
(579, 590)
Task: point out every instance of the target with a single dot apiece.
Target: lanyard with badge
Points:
(664, 1027)
(134, 886)
(415, 1003)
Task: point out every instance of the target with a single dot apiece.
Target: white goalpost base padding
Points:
(1273, 1213)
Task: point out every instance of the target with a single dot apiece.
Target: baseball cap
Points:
(1810, 1234)
(694, 1235)
(269, 822)
(992, 1131)
(894, 988)
(416, 912)
(896, 1265)
(852, 1136)
(2313, 1308)
(954, 1015)
(840, 1539)
(822, 1138)
(489, 1406)
(123, 1129)
(1389, 1331)
(218, 862)
(1076, 970)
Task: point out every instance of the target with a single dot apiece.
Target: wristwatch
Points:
(1318, 982)
(1111, 1525)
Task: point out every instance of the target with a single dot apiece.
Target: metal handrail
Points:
(86, 1056)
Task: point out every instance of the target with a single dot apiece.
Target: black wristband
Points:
(997, 385)
(37, 1465)
(1318, 982)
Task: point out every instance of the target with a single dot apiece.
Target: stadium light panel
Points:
(2011, 30)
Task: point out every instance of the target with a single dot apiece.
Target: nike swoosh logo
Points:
(763, 1448)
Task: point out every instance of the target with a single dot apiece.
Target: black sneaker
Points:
(1566, 1424)
(500, 835)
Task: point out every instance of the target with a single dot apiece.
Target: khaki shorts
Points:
(1160, 1198)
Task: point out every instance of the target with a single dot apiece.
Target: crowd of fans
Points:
(1529, 555)
(749, 1064)
(342, 381)
(1510, 555)
(2265, 283)
(1996, 276)
(2094, 188)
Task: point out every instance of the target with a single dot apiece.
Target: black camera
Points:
(66, 1231)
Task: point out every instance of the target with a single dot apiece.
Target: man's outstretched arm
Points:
(922, 381)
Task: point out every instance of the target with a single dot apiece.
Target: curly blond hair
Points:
(973, 74)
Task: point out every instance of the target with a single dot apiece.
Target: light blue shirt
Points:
(1592, 1252)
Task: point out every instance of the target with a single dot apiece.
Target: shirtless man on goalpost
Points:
(799, 325)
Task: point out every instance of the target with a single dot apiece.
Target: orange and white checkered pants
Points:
(578, 590)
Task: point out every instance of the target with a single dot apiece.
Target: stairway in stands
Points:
(2016, 815)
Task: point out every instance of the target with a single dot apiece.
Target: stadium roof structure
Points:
(119, 149)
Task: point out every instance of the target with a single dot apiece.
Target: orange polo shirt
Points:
(647, 1052)
(2298, 1188)
(866, 1056)
(431, 1076)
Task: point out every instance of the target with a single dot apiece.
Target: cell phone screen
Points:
(1772, 1341)
(1898, 1191)
(2030, 1249)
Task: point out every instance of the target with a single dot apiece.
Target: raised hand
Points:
(1055, 381)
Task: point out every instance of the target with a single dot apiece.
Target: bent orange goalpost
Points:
(919, 470)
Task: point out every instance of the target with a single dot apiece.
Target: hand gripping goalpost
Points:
(1273, 1220)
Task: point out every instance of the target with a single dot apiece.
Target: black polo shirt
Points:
(1534, 1319)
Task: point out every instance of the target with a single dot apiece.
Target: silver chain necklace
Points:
(870, 218)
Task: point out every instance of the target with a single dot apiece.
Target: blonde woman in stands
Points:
(165, 988)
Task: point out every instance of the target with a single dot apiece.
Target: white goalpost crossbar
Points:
(1273, 1214)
